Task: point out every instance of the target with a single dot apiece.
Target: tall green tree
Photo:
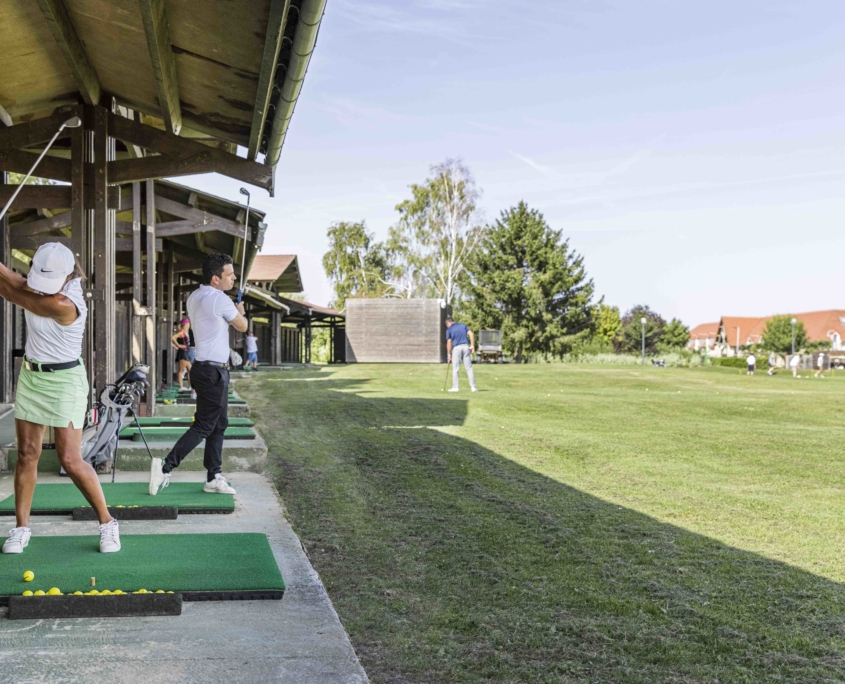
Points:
(777, 335)
(356, 264)
(675, 335)
(526, 281)
(630, 337)
(608, 323)
(438, 230)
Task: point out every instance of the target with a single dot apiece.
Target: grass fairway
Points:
(570, 523)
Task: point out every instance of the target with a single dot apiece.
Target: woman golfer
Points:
(53, 386)
(182, 341)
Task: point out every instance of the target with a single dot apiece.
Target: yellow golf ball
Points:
(105, 592)
(77, 593)
(27, 593)
(39, 593)
(54, 591)
(159, 591)
(28, 576)
(93, 592)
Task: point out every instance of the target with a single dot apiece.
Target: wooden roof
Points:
(282, 270)
(210, 69)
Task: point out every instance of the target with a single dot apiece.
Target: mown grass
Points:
(569, 523)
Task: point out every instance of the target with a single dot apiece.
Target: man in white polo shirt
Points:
(211, 313)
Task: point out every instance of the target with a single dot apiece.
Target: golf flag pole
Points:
(242, 286)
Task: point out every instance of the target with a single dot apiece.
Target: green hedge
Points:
(739, 362)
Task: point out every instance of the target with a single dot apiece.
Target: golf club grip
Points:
(240, 296)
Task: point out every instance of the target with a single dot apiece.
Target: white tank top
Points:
(48, 341)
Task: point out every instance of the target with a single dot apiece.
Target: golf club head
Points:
(244, 191)
(73, 122)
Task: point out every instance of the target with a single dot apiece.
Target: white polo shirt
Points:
(211, 311)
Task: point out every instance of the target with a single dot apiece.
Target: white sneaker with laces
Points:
(18, 540)
(218, 486)
(109, 537)
(158, 478)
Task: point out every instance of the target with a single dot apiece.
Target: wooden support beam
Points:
(179, 157)
(267, 73)
(150, 319)
(157, 28)
(54, 197)
(44, 225)
(34, 132)
(7, 368)
(199, 218)
(18, 161)
(64, 33)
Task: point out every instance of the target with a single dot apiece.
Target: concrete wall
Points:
(395, 331)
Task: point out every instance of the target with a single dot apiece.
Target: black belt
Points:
(224, 366)
(50, 367)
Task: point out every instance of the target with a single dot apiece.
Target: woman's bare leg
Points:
(69, 449)
(30, 437)
(182, 366)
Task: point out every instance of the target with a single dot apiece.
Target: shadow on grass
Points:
(449, 563)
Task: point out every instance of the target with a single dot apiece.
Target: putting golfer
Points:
(211, 313)
(53, 385)
(459, 350)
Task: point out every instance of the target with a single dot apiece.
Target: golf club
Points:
(73, 122)
(242, 286)
(446, 379)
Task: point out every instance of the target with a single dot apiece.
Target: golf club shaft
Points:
(243, 258)
(26, 178)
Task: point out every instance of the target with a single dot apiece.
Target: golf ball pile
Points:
(55, 591)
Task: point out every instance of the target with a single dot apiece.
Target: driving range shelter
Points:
(163, 88)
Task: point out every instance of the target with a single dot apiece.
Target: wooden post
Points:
(169, 359)
(137, 352)
(275, 337)
(308, 340)
(152, 347)
(104, 256)
(7, 367)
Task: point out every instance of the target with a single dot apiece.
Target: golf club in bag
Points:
(115, 412)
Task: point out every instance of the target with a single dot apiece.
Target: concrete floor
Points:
(298, 639)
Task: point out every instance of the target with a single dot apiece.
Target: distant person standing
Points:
(773, 361)
(459, 350)
(820, 365)
(794, 362)
(752, 363)
(251, 350)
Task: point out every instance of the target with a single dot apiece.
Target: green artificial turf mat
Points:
(165, 434)
(63, 498)
(170, 421)
(171, 562)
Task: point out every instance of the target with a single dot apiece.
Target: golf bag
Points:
(115, 412)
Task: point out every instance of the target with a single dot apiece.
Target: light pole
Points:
(73, 122)
(793, 321)
(642, 322)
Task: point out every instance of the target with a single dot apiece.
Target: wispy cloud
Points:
(533, 164)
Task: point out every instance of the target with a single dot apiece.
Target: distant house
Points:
(704, 336)
(742, 331)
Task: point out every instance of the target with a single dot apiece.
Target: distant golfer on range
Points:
(458, 350)
(53, 385)
(211, 313)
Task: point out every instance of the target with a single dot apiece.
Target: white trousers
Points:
(461, 354)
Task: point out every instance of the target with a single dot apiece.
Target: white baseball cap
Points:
(51, 265)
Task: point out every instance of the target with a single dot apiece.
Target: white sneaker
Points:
(474, 389)
(158, 478)
(454, 389)
(218, 486)
(109, 537)
(18, 540)
(193, 394)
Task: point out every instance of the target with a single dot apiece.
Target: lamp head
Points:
(642, 320)
(794, 321)
(73, 122)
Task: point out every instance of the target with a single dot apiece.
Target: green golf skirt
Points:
(56, 399)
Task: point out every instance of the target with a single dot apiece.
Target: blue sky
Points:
(692, 152)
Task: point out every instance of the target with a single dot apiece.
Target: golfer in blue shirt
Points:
(458, 350)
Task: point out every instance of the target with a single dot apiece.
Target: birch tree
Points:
(438, 229)
(355, 264)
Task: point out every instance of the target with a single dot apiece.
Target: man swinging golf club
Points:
(53, 385)
(211, 313)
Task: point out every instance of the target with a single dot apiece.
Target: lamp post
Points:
(73, 122)
(793, 321)
(642, 322)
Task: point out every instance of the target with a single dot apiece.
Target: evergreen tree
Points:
(525, 281)
(675, 335)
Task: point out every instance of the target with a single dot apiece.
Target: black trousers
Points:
(210, 421)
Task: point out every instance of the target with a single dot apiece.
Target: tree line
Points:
(516, 274)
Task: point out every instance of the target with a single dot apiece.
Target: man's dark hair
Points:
(449, 319)
(213, 265)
